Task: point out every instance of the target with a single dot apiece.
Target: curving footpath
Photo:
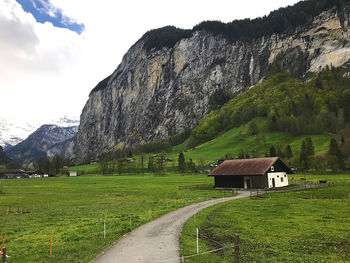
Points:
(157, 240)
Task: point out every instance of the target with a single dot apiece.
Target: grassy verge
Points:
(75, 208)
(304, 226)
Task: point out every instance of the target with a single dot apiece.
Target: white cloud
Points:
(48, 72)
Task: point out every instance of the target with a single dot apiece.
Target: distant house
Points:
(12, 174)
(35, 174)
(251, 173)
(19, 173)
(72, 173)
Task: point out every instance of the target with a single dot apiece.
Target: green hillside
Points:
(290, 105)
(235, 140)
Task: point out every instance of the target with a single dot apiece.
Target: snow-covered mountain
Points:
(14, 130)
(38, 143)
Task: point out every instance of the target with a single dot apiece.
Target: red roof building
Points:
(251, 173)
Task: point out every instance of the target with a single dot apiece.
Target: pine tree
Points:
(310, 150)
(181, 162)
(272, 151)
(303, 158)
(151, 164)
(335, 156)
(288, 152)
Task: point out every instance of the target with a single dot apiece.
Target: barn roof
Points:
(255, 166)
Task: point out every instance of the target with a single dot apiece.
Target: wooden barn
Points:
(251, 173)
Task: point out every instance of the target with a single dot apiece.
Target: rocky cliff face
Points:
(158, 93)
(64, 149)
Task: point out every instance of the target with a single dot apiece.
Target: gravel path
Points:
(158, 240)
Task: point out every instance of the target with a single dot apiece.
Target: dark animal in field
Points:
(322, 181)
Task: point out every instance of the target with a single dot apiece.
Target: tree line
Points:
(282, 21)
(304, 159)
(54, 165)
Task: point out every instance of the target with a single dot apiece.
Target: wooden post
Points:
(3, 244)
(197, 241)
(236, 250)
(183, 259)
(104, 229)
(4, 255)
(51, 244)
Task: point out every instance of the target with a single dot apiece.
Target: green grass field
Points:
(303, 226)
(74, 209)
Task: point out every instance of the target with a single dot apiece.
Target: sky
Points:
(54, 52)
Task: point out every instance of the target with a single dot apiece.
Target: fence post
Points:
(4, 255)
(51, 243)
(236, 243)
(197, 241)
(104, 229)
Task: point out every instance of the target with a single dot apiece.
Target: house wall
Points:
(281, 179)
(259, 181)
(229, 181)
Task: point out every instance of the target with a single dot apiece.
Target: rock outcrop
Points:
(64, 149)
(154, 94)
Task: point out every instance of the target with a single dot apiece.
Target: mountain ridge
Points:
(154, 94)
(39, 142)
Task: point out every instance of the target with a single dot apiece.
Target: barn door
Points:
(273, 182)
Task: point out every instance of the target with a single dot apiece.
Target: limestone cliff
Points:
(156, 93)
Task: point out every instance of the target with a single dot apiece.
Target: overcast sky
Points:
(53, 52)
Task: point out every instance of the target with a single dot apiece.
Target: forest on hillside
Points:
(282, 21)
(291, 106)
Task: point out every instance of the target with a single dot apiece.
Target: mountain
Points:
(38, 143)
(14, 130)
(64, 149)
(3, 157)
(166, 82)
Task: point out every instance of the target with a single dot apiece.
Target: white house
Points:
(252, 173)
(72, 173)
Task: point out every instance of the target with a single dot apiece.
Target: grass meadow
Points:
(74, 210)
(304, 226)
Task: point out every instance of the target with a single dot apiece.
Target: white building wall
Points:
(73, 173)
(281, 179)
